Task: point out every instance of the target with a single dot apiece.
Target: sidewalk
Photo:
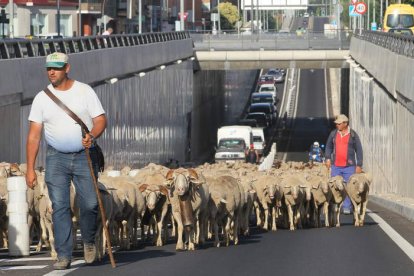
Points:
(395, 203)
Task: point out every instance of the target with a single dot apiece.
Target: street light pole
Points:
(58, 17)
(140, 16)
(182, 15)
(80, 19)
(218, 11)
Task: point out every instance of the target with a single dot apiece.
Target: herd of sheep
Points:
(211, 201)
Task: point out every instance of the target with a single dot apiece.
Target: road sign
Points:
(361, 7)
(352, 11)
(185, 15)
(354, 2)
(214, 17)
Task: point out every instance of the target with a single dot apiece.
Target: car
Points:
(268, 88)
(261, 119)
(267, 108)
(259, 139)
(266, 79)
(277, 73)
(263, 97)
(49, 36)
(306, 15)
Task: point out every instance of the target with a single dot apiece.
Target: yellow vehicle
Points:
(399, 17)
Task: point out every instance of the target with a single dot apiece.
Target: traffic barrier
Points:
(17, 208)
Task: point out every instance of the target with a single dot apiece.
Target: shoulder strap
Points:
(66, 109)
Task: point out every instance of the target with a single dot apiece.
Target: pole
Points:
(182, 15)
(369, 20)
(140, 16)
(11, 19)
(58, 17)
(80, 19)
(219, 21)
(193, 16)
(101, 208)
(381, 16)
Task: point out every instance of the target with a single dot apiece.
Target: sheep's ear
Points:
(143, 187)
(193, 174)
(170, 175)
(163, 190)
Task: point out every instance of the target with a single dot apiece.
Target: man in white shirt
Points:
(66, 158)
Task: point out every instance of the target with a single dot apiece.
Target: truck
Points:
(232, 143)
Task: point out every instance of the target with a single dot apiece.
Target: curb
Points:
(400, 208)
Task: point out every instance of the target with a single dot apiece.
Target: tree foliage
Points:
(229, 15)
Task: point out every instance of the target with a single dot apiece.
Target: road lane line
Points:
(26, 267)
(402, 243)
(326, 94)
(75, 265)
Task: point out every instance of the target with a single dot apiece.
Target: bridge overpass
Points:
(163, 103)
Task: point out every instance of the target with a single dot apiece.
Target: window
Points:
(37, 24)
(66, 25)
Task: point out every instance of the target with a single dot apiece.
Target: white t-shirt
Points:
(61, 131)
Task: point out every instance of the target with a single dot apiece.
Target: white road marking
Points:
(326, 94)
(27, 259)
(26, 267)
(75, 265)
(403, 244)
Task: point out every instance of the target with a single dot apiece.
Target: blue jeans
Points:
(61, 168)
(346, 173)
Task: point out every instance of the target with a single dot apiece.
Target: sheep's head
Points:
(180, 180)
(152, 194)
(270, 190)
(337, 183)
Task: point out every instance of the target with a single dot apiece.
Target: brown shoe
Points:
(89, 250)
(61, 264)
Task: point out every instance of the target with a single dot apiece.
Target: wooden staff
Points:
(101, 209)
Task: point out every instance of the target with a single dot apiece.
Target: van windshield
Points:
(260, 109)
(257, 139)
(400, 21)
(231, 144)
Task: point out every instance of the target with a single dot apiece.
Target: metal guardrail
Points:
(397, 43)
(21, 48)
(300, 40)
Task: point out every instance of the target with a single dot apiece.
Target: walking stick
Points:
(101, 208)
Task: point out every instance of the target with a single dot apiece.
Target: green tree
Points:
(229, 15)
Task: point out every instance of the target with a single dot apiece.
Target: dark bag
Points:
(99, 153)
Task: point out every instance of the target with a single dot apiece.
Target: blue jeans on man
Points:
(61, 168)
(346, 173)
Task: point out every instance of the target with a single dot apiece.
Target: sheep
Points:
(358, 190)
(321, 196)
(293, 198)
(156, 198)
(124, 198)
(337, 186)
(224, 206)
(268, 196)
(186, 187)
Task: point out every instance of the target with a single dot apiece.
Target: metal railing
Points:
(22, 48)
(397, 43)
(300, 40)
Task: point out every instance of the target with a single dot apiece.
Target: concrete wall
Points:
(382, 117)
(390, 69)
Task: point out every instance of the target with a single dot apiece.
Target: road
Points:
(326, 251)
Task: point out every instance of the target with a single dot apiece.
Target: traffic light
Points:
(3, 18)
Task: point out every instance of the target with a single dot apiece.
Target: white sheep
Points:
(358, 190)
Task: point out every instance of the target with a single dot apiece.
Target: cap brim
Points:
(55, 64)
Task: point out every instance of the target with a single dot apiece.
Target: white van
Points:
(232, 143)
(268, 88)
(258, 139)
